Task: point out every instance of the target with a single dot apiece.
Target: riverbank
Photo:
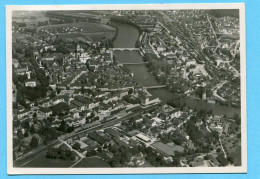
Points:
(127, 36)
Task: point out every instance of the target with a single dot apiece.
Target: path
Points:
(223, 148)
(218, 87)
(74, 79)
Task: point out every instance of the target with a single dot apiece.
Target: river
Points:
(126, 38)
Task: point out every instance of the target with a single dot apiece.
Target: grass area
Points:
(23, 37)
(232, 146)
(92, 162)
(92, 32)
(86, 37)
(42, 162)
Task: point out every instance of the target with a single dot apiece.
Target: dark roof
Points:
(112, 132)
(221, 159)
(45, 110)
(122, 143)
(98, 138)
(213, 160)
(166, 149)
(133, 132)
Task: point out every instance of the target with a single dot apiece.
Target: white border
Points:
(11, 170)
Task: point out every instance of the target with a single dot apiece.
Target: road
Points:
(223, 148)
(213, 31)
(218, 87)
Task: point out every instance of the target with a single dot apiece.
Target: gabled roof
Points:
(112, 132)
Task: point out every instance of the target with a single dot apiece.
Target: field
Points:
(87, 37)
(92, 162)
(42, 162)
(23, 37)
(30, 16)
(91, 32)
(88, 27)
(232, 146)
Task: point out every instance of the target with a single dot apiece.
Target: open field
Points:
(232, 146)
(31, 16)
(88, 27)
(42, 162)
(92, 162)
(90, 32)
(24, 37)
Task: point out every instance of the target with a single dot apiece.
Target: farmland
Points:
(83, 31)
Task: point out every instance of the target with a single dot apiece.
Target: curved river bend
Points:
(126, 38)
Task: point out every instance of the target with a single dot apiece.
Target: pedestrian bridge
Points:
(124, 49)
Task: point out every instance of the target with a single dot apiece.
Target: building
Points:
(46, 112)
(21, 71)
(30, 83)
(143, 138)
(21, 114)
(167, 150)
(15, 63)
(190, 62)
(222, 160)
(147, 100)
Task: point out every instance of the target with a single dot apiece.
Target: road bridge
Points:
(137, 63)
(124, 49)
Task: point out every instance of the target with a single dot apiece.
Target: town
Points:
(126, 88)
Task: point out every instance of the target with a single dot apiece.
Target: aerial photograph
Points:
(126, 88)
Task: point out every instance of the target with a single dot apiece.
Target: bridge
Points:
(123, 49)
(137, 63)
(154, 87)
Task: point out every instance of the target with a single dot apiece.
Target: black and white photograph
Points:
(101, 89)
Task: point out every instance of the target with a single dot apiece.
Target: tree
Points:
(215, 134)
(20, 134)
(26, 124)
(76, 146)
(26, 134)
(34, 142)
(230, 159)
(32, 130)
(130, 91)
(99, 149)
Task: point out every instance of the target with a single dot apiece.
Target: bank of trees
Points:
(40, 91)
(59, 153)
